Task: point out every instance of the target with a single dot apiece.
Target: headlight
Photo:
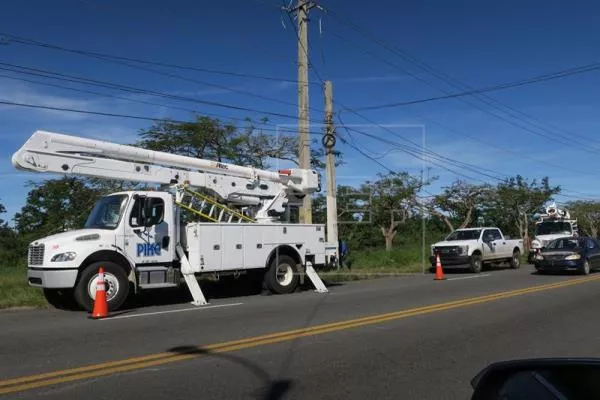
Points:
(573, 257)
(539, 257)
(463, 249)
(62, 257)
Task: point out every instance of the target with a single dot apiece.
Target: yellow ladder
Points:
(208, 208)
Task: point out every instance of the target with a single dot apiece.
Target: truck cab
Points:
(131, 234)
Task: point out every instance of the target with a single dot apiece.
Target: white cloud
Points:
(20, 93)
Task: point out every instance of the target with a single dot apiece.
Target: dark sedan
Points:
(580, 254)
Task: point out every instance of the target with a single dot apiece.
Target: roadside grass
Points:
(14, 290)
(376, 263)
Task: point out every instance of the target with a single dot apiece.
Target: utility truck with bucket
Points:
(553, 224)
(140, 240)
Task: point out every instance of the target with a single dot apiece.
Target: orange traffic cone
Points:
(100, 304)
(439, 272)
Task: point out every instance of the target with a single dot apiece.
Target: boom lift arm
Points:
(269, 190)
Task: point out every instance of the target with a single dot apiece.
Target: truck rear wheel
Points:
(116, 283)
(61, 299)
(282, 275)
(515, 261)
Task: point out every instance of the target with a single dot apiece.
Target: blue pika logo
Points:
(148, 249)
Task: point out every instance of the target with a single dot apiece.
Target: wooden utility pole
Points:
(302, 10)
(329, 143)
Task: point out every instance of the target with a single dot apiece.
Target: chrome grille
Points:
(36, 255)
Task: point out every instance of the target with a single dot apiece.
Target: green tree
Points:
(211, 139)
(515, 201)
(394, 199)
(55, 205)
(587, 214)
(11, 249)
(2, 211)
(459, 203)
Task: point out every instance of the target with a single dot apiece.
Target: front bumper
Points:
(558, 265)
(452, 262)
(52, 278)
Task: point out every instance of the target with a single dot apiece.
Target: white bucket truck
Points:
(138, 236)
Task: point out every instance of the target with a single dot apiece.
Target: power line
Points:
(108, 114)
(395, 134)
(505, 149)
(348, 129)
(523, 82)
(375, 160)
(493, 113)
(440, 75)
(420, 153)
(460, 165)
(119, 61)
(416, 145)
(31, 42)
(78, 111)
(356, 113)
(278, 129)
(115, 86)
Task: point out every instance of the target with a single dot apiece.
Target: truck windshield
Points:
(550, 228)
(106, 213)
(464, 235)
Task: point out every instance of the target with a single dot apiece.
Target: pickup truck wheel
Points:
(61, 299)
(116, 283)
(282, 275)
(476, 263)
(515, 261)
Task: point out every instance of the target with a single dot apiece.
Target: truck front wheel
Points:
(282, 275)
(476, 263)
(115, 282)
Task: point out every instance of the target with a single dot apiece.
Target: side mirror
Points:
(551, 378)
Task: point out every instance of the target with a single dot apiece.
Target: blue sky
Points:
(480, 43)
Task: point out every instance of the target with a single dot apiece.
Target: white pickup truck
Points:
(472, 247)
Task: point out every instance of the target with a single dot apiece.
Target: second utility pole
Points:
(303, 8)
(329, 143)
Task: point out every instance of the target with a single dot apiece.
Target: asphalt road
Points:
(397, 338)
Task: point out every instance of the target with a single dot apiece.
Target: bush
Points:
(15, 290)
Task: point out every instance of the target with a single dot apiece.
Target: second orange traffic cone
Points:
(439, 272)
(100, 304)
